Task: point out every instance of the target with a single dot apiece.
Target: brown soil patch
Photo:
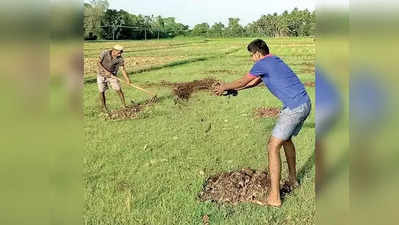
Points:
(264, 112)
(245, 185)
(131, 111)
(310, 84)
(139, 62)
(132, 62)
(305, 67)
(219, 71)
(90, 66)
(184, 90)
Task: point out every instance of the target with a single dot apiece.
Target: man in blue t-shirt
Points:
(283, 83)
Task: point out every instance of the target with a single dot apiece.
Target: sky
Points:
(192, 12)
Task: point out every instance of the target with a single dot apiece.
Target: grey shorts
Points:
(104, 82)
(290, 121)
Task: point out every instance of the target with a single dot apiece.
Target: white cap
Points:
(118, 47)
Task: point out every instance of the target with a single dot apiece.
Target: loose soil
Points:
(184, 90)
(245, 185)
(266, 112)
(131, 111)
(132, 62)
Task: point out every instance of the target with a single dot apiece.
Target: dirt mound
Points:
(264, 112)
(310, 84)
(245, 185)
(131, 111)
(185, 89)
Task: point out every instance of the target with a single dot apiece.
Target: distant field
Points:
(150, 170)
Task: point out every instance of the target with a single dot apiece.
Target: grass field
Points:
(149, 170)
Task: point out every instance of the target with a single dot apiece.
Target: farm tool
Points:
(154, 96)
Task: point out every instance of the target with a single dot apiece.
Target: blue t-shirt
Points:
(281, 81)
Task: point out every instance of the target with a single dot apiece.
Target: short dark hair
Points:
(258, 45)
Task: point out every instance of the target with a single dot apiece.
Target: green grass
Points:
(150, 170)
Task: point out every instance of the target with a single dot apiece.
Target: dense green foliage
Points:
(103, 23)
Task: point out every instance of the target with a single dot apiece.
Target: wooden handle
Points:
(137, 87)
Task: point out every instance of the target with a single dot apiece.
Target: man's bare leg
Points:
(122, 97)
(273, 148)
(103, 102)
(290, 155)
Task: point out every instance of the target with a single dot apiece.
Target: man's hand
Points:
(127, 79)
(219, 90)
(108, 74)
(235, 85)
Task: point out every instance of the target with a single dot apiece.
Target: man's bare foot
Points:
(268, 202)
(273, 202)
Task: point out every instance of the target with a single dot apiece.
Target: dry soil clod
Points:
(264, 112)
(205, 219)
(130, 112)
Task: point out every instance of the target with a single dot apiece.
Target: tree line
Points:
(100, 22)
